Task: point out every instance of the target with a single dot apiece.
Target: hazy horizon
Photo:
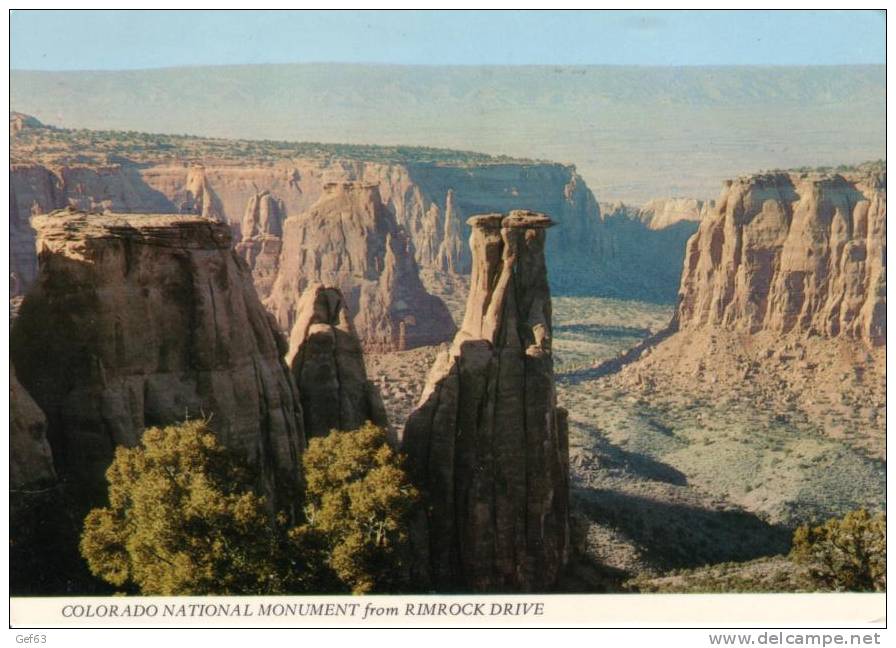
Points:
(633, 132)
(459, 65)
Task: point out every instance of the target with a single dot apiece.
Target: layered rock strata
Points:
(487, 444)
(142, 320)
(328, 366)
(261, 243)
(786, 252)
(430, 199)
(350, 241)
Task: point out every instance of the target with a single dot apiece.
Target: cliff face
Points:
(142, 320)
(349, 240)
(660, 213)
(786, 252)
(430, 201)
(30, 457)
(645, 247)
(488, 445)
(328, 366)
(262, 231)
(33, 189)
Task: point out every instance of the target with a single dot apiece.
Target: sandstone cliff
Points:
(328, 366)
(142, 320)
(783, 311)
(431, 194)
(20, 121)
(488, 445)
(660, 213)
(349, 240)
(30, 457)
(645, 248)
(791, 252)
(262, 231)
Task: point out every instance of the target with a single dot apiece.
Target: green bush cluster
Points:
(847, 554)
(184, 519)
(358, 503)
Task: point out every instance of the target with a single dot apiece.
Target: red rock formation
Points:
(791, 252)
(488, 445)
(262, 229)
(328, 366)
(199, 198)
(349, 240)
(142, 320)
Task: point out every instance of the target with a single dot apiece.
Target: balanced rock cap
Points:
(522, 218)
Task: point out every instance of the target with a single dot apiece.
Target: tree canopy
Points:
(183, 519)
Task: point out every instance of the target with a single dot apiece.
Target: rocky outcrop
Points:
(20, 121)
(350, 241)
(142, 320)
(262, 231)
(30, 457)
(487, 445)
(660, 213)
(32, 190)
(791, 252)
(328, 366)
(198, 197)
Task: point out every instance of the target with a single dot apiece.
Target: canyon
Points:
(257, 187)
(720, 364)
(761, 405)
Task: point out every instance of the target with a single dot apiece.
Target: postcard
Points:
(474, 318)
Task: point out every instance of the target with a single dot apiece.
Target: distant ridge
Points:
(630, 131)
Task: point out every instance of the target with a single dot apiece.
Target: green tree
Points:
(358, 505)
(182, 520)
(845, 554)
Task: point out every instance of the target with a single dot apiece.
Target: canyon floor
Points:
(691, 475)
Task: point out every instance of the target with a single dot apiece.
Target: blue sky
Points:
(110, 40)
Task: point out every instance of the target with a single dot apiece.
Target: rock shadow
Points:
(674, 535)
(610, 457)
(603, 330)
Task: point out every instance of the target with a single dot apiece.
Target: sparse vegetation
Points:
(772, 574)
(48, 145)
(872, 166)
(845, 554)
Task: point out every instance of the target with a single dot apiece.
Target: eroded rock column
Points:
(328, 366)
(488, 445)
